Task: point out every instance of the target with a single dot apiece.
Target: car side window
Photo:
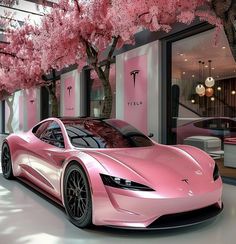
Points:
(50, 132)
(228, 124)
(40, 128)
(200, 124)
(206, 124)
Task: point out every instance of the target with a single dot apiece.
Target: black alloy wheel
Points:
(77, 196)
(6, 162)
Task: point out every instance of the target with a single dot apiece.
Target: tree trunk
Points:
(53, 99)
(103, 73)
(10, 105)
(54, 105)
(107, 105)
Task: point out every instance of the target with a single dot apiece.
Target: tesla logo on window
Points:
(185, 180)
(69, 89)
(134, 73)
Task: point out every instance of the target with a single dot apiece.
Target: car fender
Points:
(206, 162)
(91, 167)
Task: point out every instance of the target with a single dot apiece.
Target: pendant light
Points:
(200, 88)
(210, 81)
(209, 91)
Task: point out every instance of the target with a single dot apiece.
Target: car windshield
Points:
(108, 133)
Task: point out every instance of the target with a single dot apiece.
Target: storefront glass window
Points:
(97, 93)
(203, 89)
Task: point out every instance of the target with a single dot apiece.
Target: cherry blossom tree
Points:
(74, 33)
(226, 11)
(88, 32)
(19, 68)
(20, 63)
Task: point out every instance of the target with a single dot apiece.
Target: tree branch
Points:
(11, 55)
(91, 53)
(109, 56)
(226, 11)
(113, 47)
(77, 5)
(143, 14)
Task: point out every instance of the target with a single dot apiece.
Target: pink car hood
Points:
(157, 166)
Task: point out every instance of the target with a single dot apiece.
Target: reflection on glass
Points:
(204, 109)
(198, 113)
(97, 93)
(107, 133)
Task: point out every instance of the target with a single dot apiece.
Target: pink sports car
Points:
(105, 172)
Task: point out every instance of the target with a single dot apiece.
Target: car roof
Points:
(72, 119)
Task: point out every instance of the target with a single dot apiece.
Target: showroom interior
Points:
(186, 83)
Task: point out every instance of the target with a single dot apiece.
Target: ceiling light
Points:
(212, 99)
(219, 88)
(213, 68)
(223, 47)
(192, 101)
(209, 92)
(183, 73)
(181, 54)
(200, 89)
(210, 81)
(206, 66)
(185, 60)
(233, 92)
(193, 76)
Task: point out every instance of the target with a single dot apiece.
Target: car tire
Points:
(77, 196)
(6, 162)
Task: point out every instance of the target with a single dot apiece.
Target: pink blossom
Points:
(79, 33)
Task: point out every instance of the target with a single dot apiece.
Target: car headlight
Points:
(216, 173)
(123, 183)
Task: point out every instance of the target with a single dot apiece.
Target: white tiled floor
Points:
(28, 218)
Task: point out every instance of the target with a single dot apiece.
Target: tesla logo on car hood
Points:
(185, 180)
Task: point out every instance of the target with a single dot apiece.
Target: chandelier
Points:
(206, 88)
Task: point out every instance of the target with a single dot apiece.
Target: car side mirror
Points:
(150, 135)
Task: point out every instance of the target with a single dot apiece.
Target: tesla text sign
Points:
(135, 92)
(69, 96)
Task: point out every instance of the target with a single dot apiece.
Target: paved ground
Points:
(27, 218)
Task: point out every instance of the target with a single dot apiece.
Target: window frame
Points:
(167, 135)
(49, 140)
(87, 77)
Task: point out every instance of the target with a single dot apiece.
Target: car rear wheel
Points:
(6, 162)
(77, 196)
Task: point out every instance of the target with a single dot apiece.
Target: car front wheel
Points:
(77, 196)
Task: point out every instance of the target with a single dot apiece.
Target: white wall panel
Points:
(154, 103)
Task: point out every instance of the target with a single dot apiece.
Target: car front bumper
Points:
(136, 209)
